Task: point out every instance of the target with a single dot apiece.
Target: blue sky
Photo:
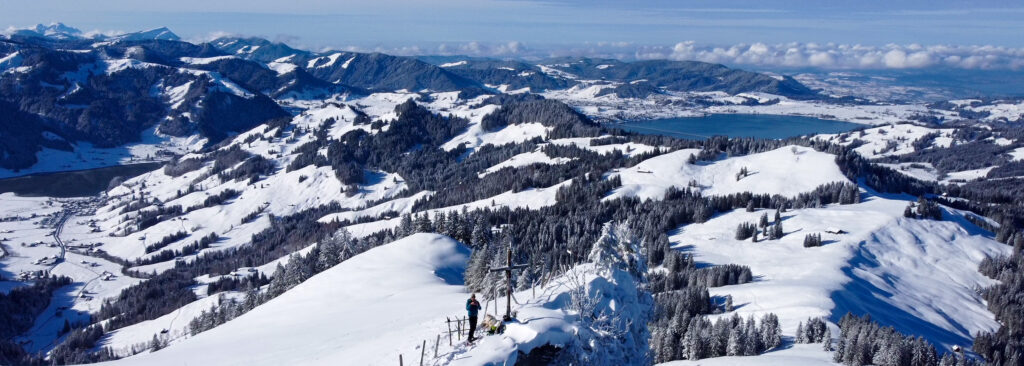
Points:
(598, 27)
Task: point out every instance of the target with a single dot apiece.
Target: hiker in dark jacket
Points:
(472, 306)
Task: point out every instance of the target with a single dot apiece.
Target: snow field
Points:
(926, 172)
(475, 136)
(916, 275)
(787, 171)
(364, 311)
(175, 324)
(399, 205)
(532, 198)
(876, 139)
(525, 159)
(1017, 154)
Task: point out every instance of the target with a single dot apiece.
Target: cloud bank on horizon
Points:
(784, 55)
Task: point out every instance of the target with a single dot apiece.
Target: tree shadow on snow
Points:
(859, 296)
(43, 335)
(793, 232)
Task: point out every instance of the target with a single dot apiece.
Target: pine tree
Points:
(763, 223)
(295, 272)
(441, 223)
(801, 337)
(948, 360)
(476, 269)
(812, 240)
(745, 230)
(771, 335)
(330, 252)
(826, 340)
(839, 356)
(155, 344)
(752, 343)
(252, 299)
(405, 227)
(423, 224)
(481, 233)
(735, 344)
(278, 282)
(777, 232)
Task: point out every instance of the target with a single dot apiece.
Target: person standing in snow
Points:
(472, 306)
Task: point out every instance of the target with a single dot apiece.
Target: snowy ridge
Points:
(475, 136)
(204, 60)
(366, 319)
(175, 324)
(10, 61)
(787, 171)
(916, 275)
(890, 140)
(532, 198)
(524, 159)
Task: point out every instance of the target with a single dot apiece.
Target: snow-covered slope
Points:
(532, 198)
(917, 275)
(361, 312)
(787, 171)
(890, 140)
(524, 159)
(475, 136)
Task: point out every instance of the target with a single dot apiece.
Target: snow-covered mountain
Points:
(339, 208)
(149, 95)
(141, 87)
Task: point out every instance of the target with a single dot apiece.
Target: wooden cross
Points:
(508, 268)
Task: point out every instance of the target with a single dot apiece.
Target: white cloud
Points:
(843, 56)
(821, 59)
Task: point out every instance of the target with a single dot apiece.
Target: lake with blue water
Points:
(737, 125)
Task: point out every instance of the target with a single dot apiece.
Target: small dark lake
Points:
(737, 125)
(75, 183)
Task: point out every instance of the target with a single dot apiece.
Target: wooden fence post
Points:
(436, 343)
(423, 351)
(449, 322)
(399, 359)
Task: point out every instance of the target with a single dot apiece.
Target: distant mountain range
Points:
(60, 86)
